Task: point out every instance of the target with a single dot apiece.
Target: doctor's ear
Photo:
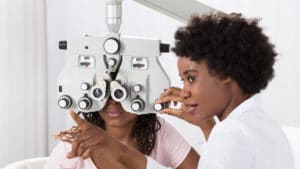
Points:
(226, 80)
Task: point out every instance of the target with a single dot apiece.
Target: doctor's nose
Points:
(185, 93)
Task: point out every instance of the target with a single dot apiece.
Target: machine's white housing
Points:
(124, 68)
(149, 80)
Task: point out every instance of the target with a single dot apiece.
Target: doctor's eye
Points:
(191, 79)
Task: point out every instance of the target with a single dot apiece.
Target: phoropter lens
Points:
(97, 93)
(118, 93)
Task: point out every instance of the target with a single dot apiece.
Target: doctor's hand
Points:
(172, 95)
(93, 142)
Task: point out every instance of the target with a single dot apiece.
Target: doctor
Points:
(224, 61)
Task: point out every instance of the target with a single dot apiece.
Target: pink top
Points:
(170, 150)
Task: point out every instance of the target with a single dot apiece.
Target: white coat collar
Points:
(252, 104)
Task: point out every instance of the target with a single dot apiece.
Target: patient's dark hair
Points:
(231, 46)
(144, 130)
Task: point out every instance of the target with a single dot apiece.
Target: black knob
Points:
(62, 45)
(164, 48)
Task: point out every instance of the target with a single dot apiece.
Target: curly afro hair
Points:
(231, 46)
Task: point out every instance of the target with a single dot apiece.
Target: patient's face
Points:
(115, 116)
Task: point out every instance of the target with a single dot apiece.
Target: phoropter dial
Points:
(65, 102)
(137, 105)
(85, 103)
(159, 106)
(111, 45)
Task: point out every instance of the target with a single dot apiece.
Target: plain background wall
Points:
(69, 19)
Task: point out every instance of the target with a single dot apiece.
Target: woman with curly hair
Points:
(225, 61)
(149, 134)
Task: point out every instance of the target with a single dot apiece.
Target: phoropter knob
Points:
(137, 88)
(65, 102)
(111, 45)
(62, 44)
(85, 103)
(163, 47)
(159, 106)
(138, 105)
(85, 86)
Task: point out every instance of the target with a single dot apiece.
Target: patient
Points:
(149, 134)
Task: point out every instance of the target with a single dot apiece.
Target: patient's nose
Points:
(111, 101)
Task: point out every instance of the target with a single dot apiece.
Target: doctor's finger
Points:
(167, 99)
(169, 91)
(82, 124)
(173, 112)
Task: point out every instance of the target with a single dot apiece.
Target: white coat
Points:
(247, 139)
